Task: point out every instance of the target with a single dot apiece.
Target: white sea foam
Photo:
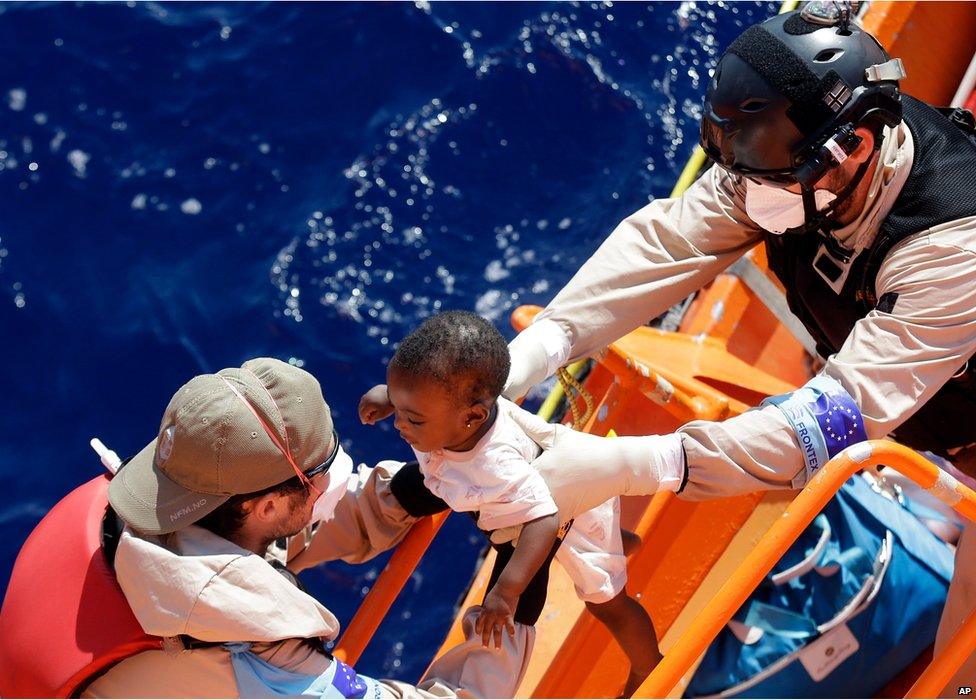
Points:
(79, 161)
(17, 99)
(495, 271)
(191, 206)
(56, 140)
(489, 304)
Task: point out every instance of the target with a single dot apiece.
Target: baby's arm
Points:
(375, 405)
(534, 544)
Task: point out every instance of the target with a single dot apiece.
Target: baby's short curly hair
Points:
(458, 349)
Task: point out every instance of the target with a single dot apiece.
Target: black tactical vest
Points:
(940, 188)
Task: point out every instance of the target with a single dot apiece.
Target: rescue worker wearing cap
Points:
(865, 199)
(245, 457)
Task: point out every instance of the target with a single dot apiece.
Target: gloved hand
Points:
(584, 470)
(536, 353)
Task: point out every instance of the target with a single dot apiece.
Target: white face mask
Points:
(777, 210)
(339, 473)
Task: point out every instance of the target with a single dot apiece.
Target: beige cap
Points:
(211, 446)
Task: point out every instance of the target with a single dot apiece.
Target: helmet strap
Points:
(817, 220)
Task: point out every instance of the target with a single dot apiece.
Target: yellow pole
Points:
(690, 172)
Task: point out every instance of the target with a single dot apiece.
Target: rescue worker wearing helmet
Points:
(865, 199)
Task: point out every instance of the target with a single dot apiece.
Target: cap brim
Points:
(151, 502)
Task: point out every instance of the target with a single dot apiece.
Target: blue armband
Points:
(825, 418)
(257, 678)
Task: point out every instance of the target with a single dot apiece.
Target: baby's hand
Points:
(498, 613)
(375, 405)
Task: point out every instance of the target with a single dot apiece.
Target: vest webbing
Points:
(940, 188)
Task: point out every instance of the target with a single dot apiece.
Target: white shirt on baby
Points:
(496, 479)
(493, 478)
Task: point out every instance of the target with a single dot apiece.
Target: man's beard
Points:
(298, 521)
(846, 212)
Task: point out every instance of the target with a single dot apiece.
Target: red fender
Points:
(64, 618)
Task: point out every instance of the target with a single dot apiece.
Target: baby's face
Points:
(428, 414)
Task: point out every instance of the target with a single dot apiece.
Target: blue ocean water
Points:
(186, 186)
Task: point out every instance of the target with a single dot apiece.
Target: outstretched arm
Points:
(368, 520)
(655, 258)
(895, 359)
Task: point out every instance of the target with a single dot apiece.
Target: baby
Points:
(443, 385)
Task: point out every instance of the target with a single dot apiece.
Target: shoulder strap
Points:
(876, 255)
(961, 117)
(916, 118)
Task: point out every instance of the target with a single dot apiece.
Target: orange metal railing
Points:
(753, 569)
(686, 401)
(388, 585)
(942, 668)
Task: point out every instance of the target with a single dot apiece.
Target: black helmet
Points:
(788, 93)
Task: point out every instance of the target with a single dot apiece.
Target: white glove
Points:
(584, 470)
(536, 353)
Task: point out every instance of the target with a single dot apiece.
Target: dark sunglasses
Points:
(324, 467)
(777, 181)
(774, 178)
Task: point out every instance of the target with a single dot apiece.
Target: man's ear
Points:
(266, 508)
(864, 149)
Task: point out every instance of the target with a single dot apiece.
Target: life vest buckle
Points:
(174, 646)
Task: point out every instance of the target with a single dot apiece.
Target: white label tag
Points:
(836, 151)
(827, 653)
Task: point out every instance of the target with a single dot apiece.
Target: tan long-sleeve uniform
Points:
(890, 364)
